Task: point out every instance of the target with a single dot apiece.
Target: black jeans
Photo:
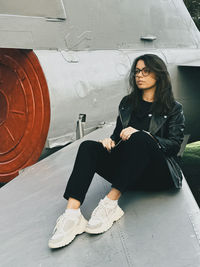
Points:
(135, 163)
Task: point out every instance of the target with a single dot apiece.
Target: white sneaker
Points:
(68, 225)
(102, 217)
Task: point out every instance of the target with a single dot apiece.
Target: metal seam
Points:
(125, 248)
(193, 218)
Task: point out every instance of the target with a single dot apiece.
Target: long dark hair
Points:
(163, 98)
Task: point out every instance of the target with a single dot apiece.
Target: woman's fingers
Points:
(124, 134)
(127, 132)
(112, 144)
(108, 143)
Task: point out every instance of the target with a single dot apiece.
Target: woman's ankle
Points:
(73, 203)
(114, 194)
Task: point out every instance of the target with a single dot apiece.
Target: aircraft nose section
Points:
(24, 111)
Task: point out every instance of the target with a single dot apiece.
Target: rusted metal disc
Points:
(24, 111)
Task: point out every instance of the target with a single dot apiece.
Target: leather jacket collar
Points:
(155, 123)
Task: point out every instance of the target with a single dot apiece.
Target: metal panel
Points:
(44, 8)
(102, 24)
(18, 38)
(158, 229)
(121, 24)
(195, 63)
(92, 83)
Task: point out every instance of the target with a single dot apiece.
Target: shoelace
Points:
(59, 221)
(101, 209)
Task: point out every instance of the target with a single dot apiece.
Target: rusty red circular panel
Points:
(24, 111)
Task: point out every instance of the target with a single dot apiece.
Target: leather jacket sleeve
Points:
(116, 133)
(174, 132)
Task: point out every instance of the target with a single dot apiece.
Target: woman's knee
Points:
(90, 147)
(141, 138)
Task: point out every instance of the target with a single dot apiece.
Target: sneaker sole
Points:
(70, 238)
(118, 214)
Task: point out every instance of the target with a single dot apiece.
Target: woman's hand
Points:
(108, 143)
(127, 132)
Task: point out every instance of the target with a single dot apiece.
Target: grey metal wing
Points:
(158, 229)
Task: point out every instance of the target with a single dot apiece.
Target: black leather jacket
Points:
(168, 130)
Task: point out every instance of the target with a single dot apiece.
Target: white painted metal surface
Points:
(44, 8)
(91, 83)
(194, 63)
(92, 25)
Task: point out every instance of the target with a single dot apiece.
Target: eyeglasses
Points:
(145, 71)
